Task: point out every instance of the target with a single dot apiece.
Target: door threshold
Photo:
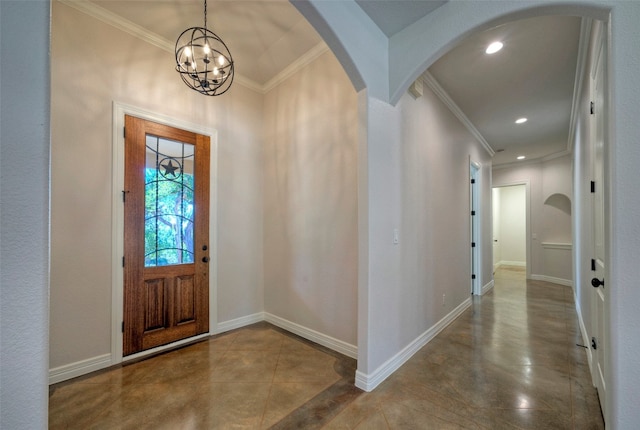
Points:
(164, 348)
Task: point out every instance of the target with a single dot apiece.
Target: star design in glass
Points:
(170, 169)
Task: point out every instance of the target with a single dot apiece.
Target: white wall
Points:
(310, 200)
(94, 64)
(512, 213)
(24, 214)
(418, 183)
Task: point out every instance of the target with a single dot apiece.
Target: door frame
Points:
(599, 66)
(527, 204)
(475, 225)
(117, 225)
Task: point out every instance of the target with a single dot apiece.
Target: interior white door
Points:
(600, 286)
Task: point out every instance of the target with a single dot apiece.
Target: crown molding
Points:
(581, 70)
(120, 23)
(294, 67)
(145, 35)
(435, 86)
(516, 164)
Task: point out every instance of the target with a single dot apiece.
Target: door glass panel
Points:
(169, 202)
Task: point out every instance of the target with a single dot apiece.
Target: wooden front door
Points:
(166, 235)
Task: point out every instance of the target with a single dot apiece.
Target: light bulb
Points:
(494, 47)
(206, 48)
(215, 71)
(187, 52)
(221, 60)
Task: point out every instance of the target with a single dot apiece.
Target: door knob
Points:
(205, 259)
(595, 282)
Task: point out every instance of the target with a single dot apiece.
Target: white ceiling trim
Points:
(453, 107)
(583, 50)
(120, 23)
(294, 67)
(538, 160)
(142, 33)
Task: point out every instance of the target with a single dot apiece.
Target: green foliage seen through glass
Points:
(168, 236)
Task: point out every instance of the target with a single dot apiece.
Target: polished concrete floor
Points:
(511, 361)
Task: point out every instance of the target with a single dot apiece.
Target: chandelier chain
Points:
(205, 14)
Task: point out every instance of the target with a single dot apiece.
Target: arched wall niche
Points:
(560, 202)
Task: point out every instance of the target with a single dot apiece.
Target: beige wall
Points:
(93, 65)
(310, 195)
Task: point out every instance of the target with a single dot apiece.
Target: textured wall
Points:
(24, 214)
(310, 188)
(418, 182)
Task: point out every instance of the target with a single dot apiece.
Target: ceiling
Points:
(532, 76)
(264, 36)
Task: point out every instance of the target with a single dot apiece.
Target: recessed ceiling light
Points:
(521, 120)
(521, 157)
(494, 47)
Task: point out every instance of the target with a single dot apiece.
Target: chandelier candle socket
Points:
(203, 60)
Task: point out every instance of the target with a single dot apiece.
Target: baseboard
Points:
(233, 324)
(79, 368)
(487, 287)
(369, 382)
(553, 280)
(585, 336)
(89, 365)
(314, 336)
(512, 263)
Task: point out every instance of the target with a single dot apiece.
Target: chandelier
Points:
(203, 60)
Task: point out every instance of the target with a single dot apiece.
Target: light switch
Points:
(396, 236)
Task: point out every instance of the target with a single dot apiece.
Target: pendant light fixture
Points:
(203, 60)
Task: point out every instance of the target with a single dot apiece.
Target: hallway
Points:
(508, 362)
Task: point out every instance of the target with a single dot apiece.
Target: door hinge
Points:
(124, 132)
(473, 213)
(124, 195)
(122, 261)
(473, 276)
(593, 264)
(473, 181)
(593, 186)
(122, 326)
(594, 343)
(473, 244)
(592, 108)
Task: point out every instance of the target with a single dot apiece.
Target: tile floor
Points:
(509, 362)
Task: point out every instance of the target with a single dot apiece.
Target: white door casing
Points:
(117, 249)
(475, 217)
(600, 287)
